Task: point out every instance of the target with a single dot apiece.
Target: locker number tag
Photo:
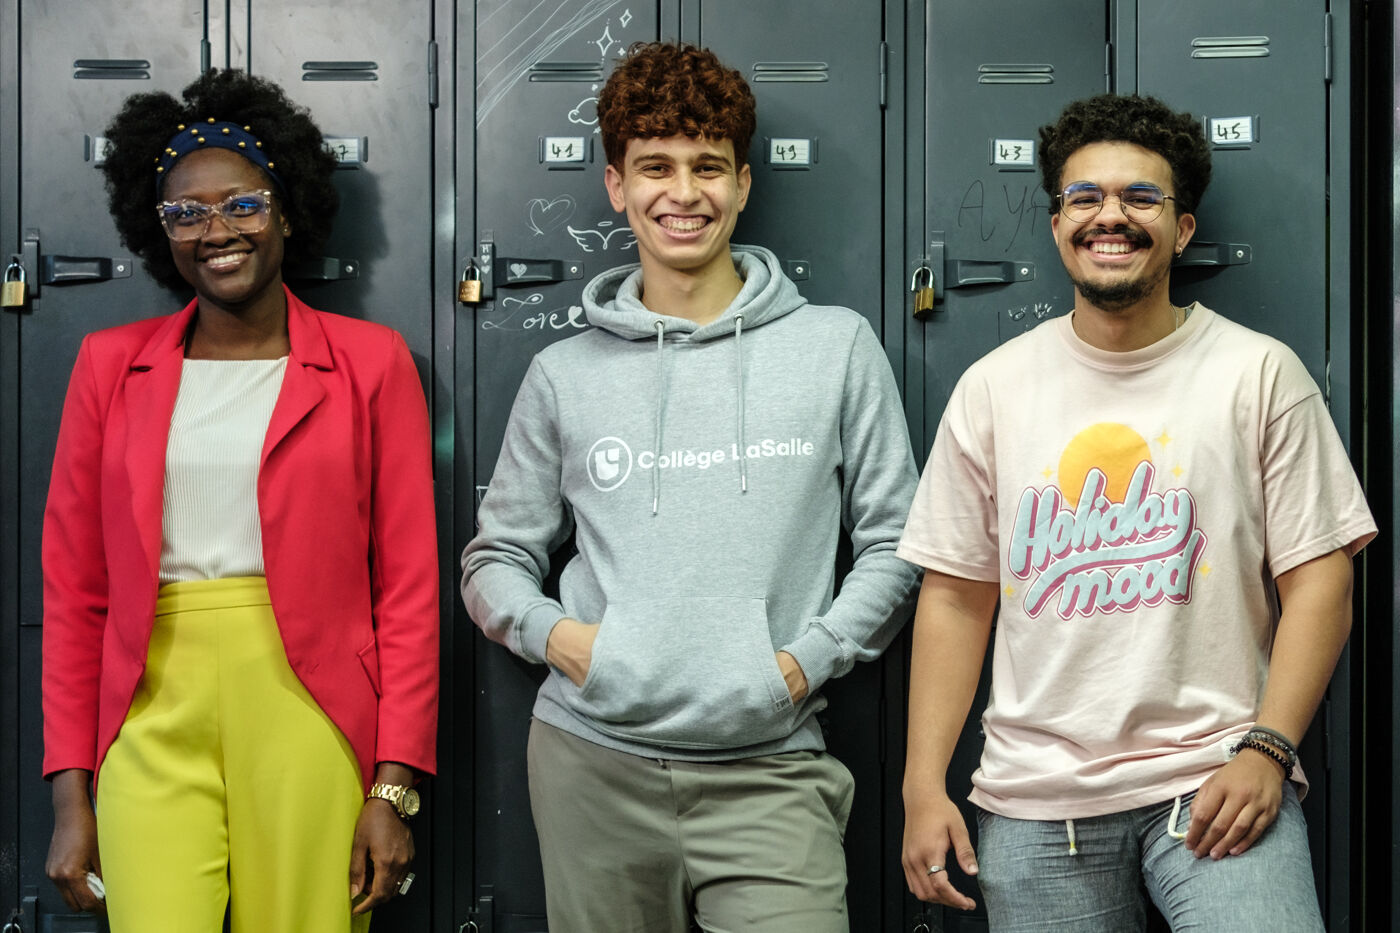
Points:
(790, 153)
(557, 150)
(1232, 131)
(348, 150)
(1013, 153)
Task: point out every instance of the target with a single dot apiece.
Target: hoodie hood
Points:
(613, 302)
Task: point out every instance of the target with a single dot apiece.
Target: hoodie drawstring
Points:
(739, 380)
(660, 403)
(1069, 828)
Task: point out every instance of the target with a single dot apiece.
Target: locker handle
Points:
(961, 272)
(75, 270)
(1215, 254)
(508, 271)
(322, 269)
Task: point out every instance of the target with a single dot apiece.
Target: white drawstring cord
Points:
(1171, 821)
(1069, 828)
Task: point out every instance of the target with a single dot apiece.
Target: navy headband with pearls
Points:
(213, 134)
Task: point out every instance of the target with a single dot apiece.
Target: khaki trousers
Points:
(640, 844)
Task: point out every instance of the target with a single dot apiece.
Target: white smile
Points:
(225, 261)
(1111, 249)
(683, 224)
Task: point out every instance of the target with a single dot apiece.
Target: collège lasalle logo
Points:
(609, 463)
(610, 459)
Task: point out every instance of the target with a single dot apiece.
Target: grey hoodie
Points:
(706, 473)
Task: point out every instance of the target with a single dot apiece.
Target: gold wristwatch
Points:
(403, 797)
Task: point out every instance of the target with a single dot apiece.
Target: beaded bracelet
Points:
(1276, 739)
(1278, 742)
(1264, 748)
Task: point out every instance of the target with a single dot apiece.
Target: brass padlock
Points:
(469, 289)
(14, 292)
(923, 294)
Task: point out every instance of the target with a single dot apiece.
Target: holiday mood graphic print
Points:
(1104, 537)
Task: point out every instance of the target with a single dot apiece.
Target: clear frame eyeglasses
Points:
(244, 212)
(1141, 202)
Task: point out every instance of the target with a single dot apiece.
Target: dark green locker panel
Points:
(76, 64)
(817, 202)
(1259, 76)
(535, 222)
(995, 73)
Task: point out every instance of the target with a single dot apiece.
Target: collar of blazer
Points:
(308, 340)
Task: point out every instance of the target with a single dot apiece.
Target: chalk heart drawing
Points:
(546, 215)
(518, 269)
(586, 113)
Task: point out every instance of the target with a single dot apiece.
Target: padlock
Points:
(14, 291)
(923, 294)
(469, 289)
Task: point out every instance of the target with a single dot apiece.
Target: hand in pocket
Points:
(570, 648)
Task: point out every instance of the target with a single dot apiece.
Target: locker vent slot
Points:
(113, 69)
(1015, 74)
(339, 71)
(588, 72)
(791, 72)
(1230, 47)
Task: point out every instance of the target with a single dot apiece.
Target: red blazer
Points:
(345, 495)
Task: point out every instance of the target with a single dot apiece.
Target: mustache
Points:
(1138, 238)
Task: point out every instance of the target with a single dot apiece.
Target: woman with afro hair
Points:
(240, 562)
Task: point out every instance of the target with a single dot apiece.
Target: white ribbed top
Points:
(209, 525)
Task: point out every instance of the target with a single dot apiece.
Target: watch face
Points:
(410, 801)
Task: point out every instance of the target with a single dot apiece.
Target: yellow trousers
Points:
(227, 785)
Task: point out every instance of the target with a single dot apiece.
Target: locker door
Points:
(534, 219)
(362, 69)
(996, 72)
(77, 63)
(1256, 72)
(817, 201)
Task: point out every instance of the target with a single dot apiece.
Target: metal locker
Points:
(534, 221)
(995, 73)
(76, 64)
(1259, 76)
(818, 202)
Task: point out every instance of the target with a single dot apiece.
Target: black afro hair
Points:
(138, 134)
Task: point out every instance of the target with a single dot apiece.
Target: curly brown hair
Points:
(663, 89)
(1144, 121)
(141, 130)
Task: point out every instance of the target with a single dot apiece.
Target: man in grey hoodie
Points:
(705, 443)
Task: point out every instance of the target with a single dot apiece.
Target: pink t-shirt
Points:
(1134, 507)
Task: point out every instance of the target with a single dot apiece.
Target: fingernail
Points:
(354, 890)
(972, 869)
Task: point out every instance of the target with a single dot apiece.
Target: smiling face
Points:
(682, 197)
(1114, 262)
(229, 270)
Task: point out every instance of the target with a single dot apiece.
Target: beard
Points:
(1122, 294)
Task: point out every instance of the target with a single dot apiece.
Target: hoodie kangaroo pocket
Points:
(688, 672)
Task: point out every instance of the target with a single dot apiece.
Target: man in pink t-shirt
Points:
(1163, 525)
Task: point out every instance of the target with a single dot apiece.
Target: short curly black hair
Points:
(1145, 121)
(673, 89)
(139, 132)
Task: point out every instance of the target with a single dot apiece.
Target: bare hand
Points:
(793, 676)
(934, 829)
(570, 648)
(1235, 805)
(73, 849)
(384, 843)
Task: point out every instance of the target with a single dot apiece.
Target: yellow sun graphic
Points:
(1116, 449)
